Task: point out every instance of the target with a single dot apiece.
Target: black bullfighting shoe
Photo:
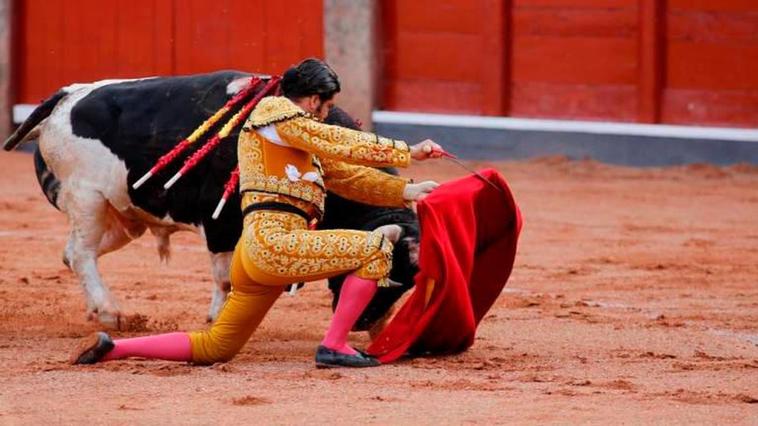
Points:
(329, 358)
(92, 348)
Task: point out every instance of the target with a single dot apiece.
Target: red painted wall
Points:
(575, 59)
(58, 42)
(674, 61)
(711, 62)
(444, 55)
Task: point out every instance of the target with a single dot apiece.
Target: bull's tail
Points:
(25, 130)
(47, 181)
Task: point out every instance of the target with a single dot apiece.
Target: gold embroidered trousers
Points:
(277, 249)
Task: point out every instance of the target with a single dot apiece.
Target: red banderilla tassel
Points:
(230, 186)
(211, 144)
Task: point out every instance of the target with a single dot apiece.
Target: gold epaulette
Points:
(273, 109)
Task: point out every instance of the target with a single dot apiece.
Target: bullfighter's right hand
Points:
(419, 191)
(426, 149)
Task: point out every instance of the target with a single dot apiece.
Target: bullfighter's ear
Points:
(338, 117)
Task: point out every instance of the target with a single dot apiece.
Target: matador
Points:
(288, 159)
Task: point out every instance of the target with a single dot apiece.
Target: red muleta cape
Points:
(469, 231)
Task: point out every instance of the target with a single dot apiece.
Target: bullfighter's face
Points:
(316, 107)
(323, 109)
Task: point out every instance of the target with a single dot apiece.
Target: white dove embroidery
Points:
(294, 175)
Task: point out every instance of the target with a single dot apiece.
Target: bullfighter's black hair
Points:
(310, 77)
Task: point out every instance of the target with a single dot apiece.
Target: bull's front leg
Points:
(220, 264)
(86, 210)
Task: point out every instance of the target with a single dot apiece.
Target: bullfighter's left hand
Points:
(419, 191)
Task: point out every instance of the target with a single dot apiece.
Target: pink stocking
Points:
(355, 296)
(170, 346)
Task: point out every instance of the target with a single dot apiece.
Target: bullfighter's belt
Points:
(274, 205)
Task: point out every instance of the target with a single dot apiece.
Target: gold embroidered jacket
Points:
(286, 153)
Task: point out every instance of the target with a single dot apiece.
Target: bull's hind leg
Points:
(220, 264)
(87, 213)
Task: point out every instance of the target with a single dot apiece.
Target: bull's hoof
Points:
(92, 348)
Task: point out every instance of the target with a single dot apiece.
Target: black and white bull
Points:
(97, 139)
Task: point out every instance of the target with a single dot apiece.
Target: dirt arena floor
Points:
(634, 299)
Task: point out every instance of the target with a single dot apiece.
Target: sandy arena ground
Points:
(634, 299)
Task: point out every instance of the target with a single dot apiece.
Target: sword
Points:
(452, 158)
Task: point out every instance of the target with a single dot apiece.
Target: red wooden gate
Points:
(444, 55)
(674, 61)
(58, 42)
(711, 70)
